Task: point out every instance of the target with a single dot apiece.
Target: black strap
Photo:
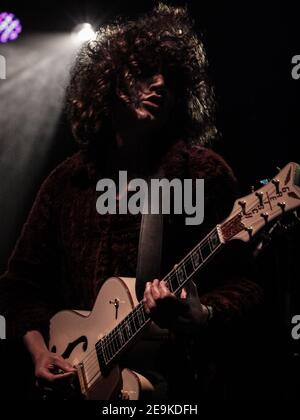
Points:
(150, 249)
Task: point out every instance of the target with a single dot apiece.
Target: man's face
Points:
(154, 99)
(149, 102)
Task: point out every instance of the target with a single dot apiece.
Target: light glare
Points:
(83, 32)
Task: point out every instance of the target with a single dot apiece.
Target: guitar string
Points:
(135, 315)
(169, 276)
(140, 327)
(96, 365)
(110, 336)
(189, 255)
(108, 339)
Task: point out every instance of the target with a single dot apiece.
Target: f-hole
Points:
(71, 346)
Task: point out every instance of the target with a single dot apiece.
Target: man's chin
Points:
(147, 116)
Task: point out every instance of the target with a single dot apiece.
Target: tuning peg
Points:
(242, 203)
(282, 206)
(265, 216)
(249, 230)
(260, 196)
(276, 182)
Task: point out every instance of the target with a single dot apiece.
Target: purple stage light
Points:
(10, 27)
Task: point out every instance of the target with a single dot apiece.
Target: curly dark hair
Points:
(124, 51)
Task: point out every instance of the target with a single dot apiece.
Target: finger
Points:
(164, 290)
(155, 289)
(44, 374)
(64, 365)
(183, 294)
(147, 291)
(151, 288)
(148, 300)
(63, 376)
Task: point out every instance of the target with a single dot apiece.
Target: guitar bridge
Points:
(82, 378)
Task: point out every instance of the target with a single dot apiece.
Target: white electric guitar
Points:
(93, 342)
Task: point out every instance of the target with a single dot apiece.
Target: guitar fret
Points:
(132, 325)
(213, 241)
(117, 340)
(174, 281)
(109, 349)
(205, 251)
(169, 283)
(189, 267)
(196, 258)
(181, 274)
(121, 337)
(128, 329)
(113, 344)
(104, 352)
(101, 355)
(141, 316)
(137, 320)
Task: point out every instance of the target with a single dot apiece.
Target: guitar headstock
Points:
(255, 211)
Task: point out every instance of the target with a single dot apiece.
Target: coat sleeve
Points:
(29, 289)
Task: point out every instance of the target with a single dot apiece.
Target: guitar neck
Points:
(111, 345)
(193, 262)
(249, 215)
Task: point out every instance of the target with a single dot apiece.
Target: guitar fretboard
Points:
(112, 344)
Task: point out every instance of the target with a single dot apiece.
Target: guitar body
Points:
(74, 334)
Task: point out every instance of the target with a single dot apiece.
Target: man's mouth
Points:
(152, 101)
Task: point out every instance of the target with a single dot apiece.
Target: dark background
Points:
(250, 45)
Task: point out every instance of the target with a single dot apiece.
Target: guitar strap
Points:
(150, 248)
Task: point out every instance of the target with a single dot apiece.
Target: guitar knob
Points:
(249, 230)
(276, 182)
(242, 203)
(281, 205)
(260, 196)
(265, 216)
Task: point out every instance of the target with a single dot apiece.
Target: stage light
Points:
(10, 27)
(83, 32)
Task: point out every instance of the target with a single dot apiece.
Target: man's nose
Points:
(157, 83)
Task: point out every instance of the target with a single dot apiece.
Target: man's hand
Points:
(49, 368)
(184, 315)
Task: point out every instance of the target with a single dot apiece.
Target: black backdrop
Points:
(250, 45)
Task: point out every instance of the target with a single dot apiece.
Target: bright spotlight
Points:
(10, 27)
(83, 32)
